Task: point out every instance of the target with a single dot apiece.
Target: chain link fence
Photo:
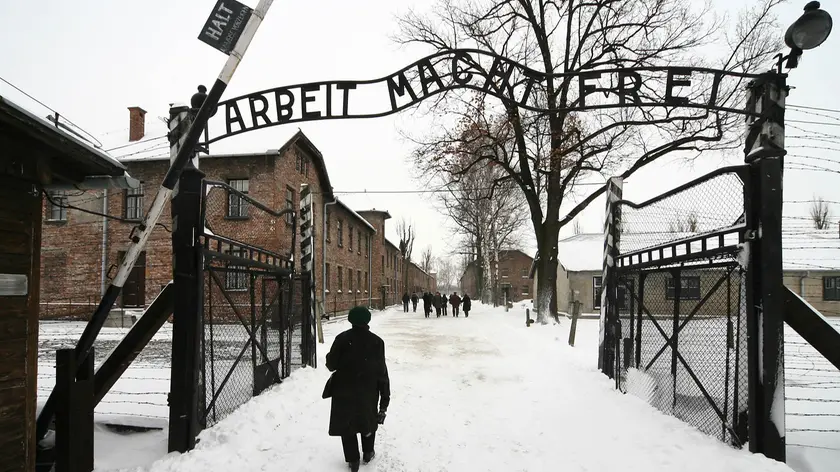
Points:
(678, 312)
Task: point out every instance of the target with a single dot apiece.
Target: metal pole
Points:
(606, 342)
(764, 152)
(140, 234)
(187, 274)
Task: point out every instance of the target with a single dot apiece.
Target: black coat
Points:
(361, 377)
(405, 298)
(467, 303)
(454, 300)
(427, 300)
(414, 298)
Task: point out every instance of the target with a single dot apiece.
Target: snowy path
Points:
(477, 394)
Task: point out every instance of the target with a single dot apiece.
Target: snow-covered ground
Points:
(482, 393)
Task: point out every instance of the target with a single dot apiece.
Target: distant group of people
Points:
(439, 302)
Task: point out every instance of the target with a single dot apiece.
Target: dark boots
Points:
(368, 456)
(354, 466)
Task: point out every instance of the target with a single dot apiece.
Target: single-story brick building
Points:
(811, 264)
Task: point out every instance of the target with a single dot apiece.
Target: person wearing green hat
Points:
(359, 381)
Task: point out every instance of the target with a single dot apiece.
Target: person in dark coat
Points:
(360, 381)
(444, 301)
(405, 300)
(455, 301)
(414, 302)
(467, 303)
(427, 303)
(436, 301)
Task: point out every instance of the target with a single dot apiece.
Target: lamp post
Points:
(807, 32)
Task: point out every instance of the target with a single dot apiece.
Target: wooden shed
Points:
(36, 156)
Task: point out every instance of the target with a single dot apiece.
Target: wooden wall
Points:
(20, 241)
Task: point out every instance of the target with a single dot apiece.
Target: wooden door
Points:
(134, 290)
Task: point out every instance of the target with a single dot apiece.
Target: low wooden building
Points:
(37, 156)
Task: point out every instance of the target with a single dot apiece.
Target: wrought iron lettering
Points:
(513, 83)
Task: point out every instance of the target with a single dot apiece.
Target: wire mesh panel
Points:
(686, 347)
(251, 314)
(679, 309)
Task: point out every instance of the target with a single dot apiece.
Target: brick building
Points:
(81, 250)
(514, 276)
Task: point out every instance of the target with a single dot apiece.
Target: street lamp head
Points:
(810, 30)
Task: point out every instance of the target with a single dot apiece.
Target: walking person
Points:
(444, 301)
(455, 301)
(467, 305)
(427, 303)
(414, 302)
(405, 300)
(359, 381)
(437, 303)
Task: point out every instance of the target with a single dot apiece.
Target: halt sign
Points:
(225, 25)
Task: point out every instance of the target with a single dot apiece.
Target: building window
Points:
(327, 276)
(134, 203)
(524, 273)
(328, 226)
(236, 278)
(340, 229)
(505, 272)
(689, 288)
(383, 263)
(350, 279)
(596, 292)
(302, 164)
(359, 280)
(350, 233)
(525, 289)
(831, 288)
(340, 279)
(366, 280)
(237, 206)
(290, 205)
(358, 241)
(367, 245)
(58, 206)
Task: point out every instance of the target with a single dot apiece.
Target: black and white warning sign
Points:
(225, 25)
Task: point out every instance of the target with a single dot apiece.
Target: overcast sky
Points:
(91, 59)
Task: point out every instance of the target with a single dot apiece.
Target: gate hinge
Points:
(750, 235)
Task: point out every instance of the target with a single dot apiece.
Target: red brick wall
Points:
(515, 264)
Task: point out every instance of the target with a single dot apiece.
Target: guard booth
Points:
(40, 158)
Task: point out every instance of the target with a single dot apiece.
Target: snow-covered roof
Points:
(815, 250)
(801, 250)
(65, 135)
(582, 252)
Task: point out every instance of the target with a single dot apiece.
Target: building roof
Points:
(806, 250)
(73, 158)
(374, 210)
(153, 149)
(356, 215)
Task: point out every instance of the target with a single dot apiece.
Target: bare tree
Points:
(688, 225)
(405, 230)
(547, 154)
(820, 213)
(446, 274)
(489, 218)
(426, 259)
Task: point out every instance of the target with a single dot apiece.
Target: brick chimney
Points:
(137, 123)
